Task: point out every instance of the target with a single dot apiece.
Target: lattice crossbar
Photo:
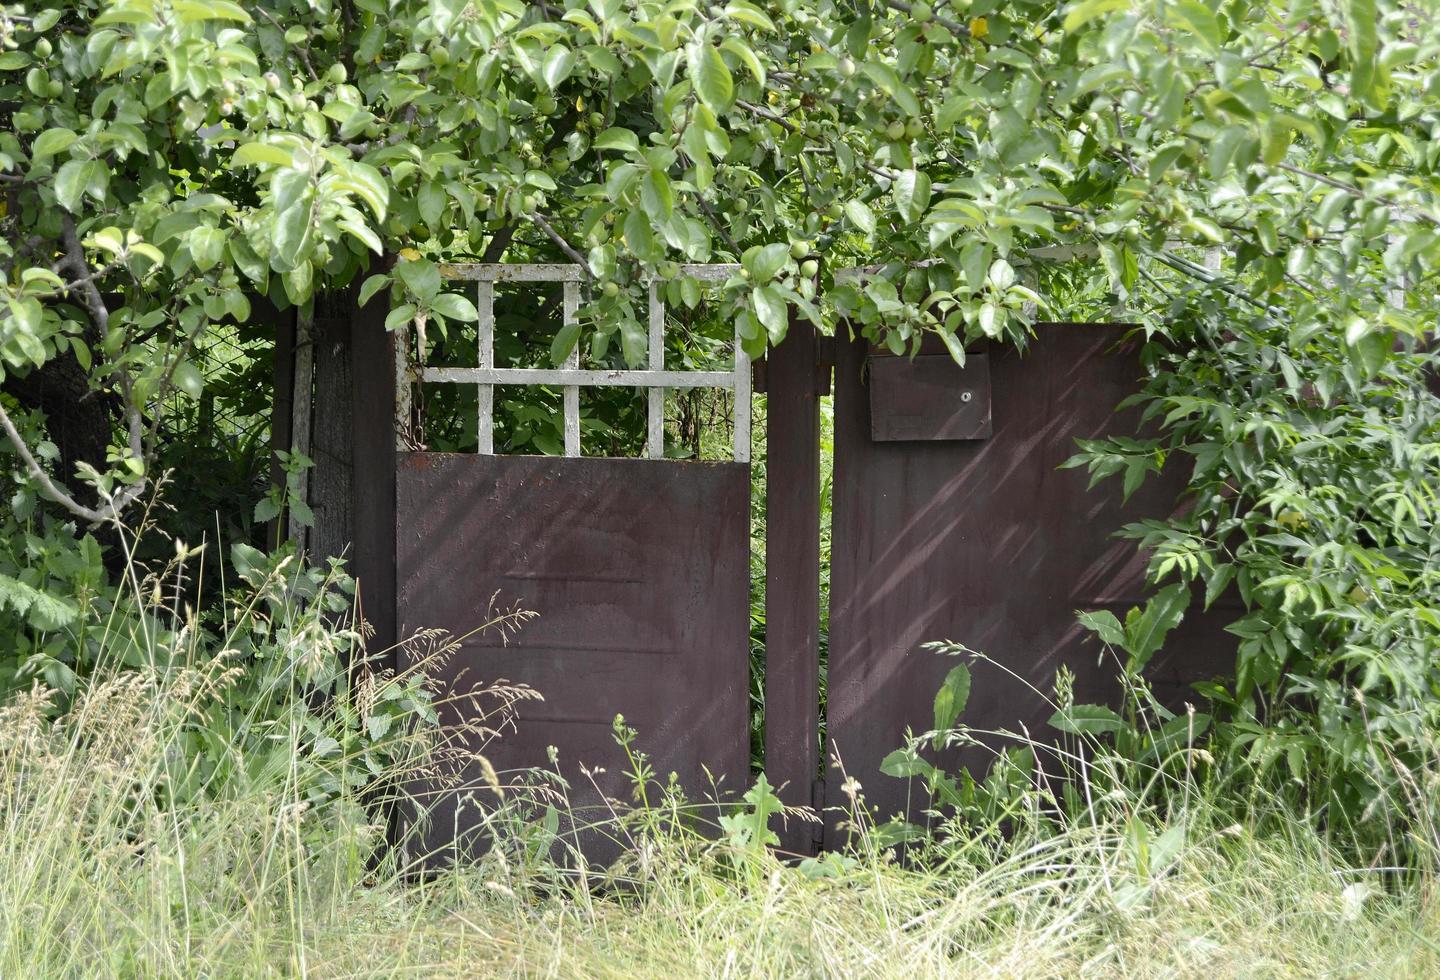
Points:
(571, 377)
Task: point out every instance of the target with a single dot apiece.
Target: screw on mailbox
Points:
(965, 396)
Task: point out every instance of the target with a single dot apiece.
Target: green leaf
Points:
(400, 317)
(559, 63)
(747, 57)
(763, 262)
(207, 246)
(951, 699)
(747, 13)
(911, 190)
(431, 201)
(771, 311)
(256, 153)
(860, 215)
(292, 233)
(453, 306)
(1106, 625)
(711, 78)
(188, 379)
(903, 763)
(888, 81)
(1145, 630)
(1199, 19)
(367, 182)
(1362, 41)
(70, 183)
(617, 138)
(1087, 719)
(372, 286)
(421, 277)
(51, 142)
(1081, 14)
(565, 340)
(657, 197)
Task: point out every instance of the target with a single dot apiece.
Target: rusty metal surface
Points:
(638, 570)
(929, 397)
(989, 544)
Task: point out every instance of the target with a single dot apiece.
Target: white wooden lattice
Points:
(571, 378)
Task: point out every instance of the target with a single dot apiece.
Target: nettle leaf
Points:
(41, 610)
(1146, 629)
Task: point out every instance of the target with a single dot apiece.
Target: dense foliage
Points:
(165, 158)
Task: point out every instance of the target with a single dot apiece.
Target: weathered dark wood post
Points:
(372, 468)
(792, 577)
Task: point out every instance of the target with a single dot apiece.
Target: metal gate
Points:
(953, 521)
(950, 520)
(638, 570)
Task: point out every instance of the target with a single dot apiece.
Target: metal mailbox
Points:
(929, 398)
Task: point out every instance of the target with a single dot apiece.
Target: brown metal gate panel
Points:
(982, 540)
(639, 572)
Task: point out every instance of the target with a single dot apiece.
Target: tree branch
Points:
(54, 493)
(1354, 191)
(953, 26)
(302, 50)
(563, 245)
(94, 303)
(719, 225)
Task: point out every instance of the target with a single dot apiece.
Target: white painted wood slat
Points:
(655, 406)
(571, 377)
(572, 364)
(485, 303)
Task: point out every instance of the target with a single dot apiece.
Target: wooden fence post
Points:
(792, 577)
(372, 468)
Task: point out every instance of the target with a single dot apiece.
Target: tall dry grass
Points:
(107, 870)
